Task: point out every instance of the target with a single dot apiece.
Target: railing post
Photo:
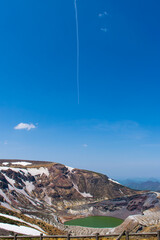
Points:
(158, 235)
(97, 236)
(68, 236)
(41, 236)
(15, 236)
(120, 235)
(127, 235)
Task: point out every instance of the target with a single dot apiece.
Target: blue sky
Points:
(116, 127)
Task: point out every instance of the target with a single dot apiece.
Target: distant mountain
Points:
(150, 184)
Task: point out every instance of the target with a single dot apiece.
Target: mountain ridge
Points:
(54, 192)
(142, 185)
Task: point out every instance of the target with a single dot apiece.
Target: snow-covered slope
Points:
(37, 183)
(13, 222)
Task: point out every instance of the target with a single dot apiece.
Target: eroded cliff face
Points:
(97, 185)
(51, 183)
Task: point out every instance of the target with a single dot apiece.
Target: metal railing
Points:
(96, 236)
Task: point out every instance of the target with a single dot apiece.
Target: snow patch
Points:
(10, 180)
(12, 217)
(22, 191)
(69, 168)
(5, 163)
(38, 171)
(83, 194)
(158, 194)
(25, 194)
(113, 181)
(32, 171)
(86, 194)
(20, 229)
(21, 163)
(121, 191)
(20, 220)
(29, 186)
(48, 200)
(6, 205)
(15, 169)
(4, 168)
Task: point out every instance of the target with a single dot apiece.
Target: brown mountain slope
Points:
(52, 182)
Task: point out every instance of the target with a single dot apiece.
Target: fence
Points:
(96, 236)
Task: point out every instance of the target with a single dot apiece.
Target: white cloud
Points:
(100, 14)
(25, 126)
(103, 29)
(103, 14)
(85, 145)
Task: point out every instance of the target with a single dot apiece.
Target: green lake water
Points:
(95, 222)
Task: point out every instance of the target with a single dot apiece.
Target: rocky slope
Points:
(54, 192)
(38, 182)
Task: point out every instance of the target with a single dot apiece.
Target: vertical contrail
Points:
(77, 34)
